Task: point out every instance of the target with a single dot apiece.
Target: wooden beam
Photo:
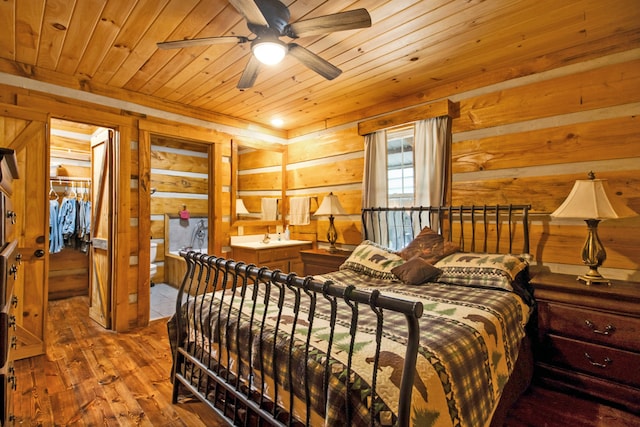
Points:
(435, 109)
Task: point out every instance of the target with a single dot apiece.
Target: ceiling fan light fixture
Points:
(269, 51)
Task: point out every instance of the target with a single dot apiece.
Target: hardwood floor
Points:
(91, 377)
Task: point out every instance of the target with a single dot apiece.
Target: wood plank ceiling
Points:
(414, 47)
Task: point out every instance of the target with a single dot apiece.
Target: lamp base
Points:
(593, 280)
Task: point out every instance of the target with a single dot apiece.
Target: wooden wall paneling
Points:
(325, 144)
(175, 205)
(545, 193)
(580, 142)
(346, 172)
(68, 274)
(179, 184)
(597, 88)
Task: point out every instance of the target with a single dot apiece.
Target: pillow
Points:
(422, 245)
(372, 260)
(480, 269)
(429, 245)
(416, 271)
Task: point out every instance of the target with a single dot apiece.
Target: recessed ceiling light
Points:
(277, 122)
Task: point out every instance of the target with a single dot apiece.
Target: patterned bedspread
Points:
(469, 343)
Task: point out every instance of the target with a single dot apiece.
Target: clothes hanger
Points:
(52, 192)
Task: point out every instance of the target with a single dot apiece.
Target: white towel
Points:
(269, 209)
(299, 211)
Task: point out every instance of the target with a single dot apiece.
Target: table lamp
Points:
(331, 206)
(592, 200)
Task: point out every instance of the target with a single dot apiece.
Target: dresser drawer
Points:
(7, 387)
(601, 361)
(9, 219)
(594, 326)
(9, 265)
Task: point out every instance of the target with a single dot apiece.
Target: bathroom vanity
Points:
(283, 255)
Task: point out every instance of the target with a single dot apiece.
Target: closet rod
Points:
(69, 179)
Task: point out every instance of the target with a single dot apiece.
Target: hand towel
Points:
(299, 211)
(269, 209)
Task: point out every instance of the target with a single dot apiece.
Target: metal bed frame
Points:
(219, 386)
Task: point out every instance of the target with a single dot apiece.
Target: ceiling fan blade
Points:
(249, 74)
(350, 20)
(205, 41)
(314, 62)
(249, 9)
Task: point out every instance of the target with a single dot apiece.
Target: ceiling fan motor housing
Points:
(275, 13)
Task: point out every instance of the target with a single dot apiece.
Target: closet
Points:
(69, 208)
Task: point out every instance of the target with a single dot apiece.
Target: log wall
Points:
(522, 140)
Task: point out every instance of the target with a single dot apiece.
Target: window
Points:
(400, 184)
(400, 190)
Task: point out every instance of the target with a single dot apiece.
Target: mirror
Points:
(257, 178)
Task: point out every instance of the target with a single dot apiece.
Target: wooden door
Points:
(101, 259)
(25, 132)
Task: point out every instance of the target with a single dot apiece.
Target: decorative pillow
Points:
(422, 244)
(373, 260)
(480, 269)
(416, 271)
(428, 245)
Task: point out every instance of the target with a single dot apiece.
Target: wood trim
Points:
(23, 113)
(122, 202)
(435, 109)
(74, 110)
(144, 227)
(184, 131)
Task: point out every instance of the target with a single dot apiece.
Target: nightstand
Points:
(589, 338)
(320, 261)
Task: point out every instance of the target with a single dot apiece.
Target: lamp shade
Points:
(241, 209)
(592, 199)
(330, 206)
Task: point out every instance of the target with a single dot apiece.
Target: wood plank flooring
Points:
(92, 377)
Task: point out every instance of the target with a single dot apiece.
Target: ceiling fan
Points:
(269, 20)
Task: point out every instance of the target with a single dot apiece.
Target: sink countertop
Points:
(273, 243)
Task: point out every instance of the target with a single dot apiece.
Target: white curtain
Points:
(374, 182)
(432, 140)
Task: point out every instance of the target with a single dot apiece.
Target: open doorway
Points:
(81, 186)
(179, 219)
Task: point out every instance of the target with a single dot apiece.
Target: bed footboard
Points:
(243, 347)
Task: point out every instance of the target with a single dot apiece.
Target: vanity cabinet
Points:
(284, 258)
(9, 269)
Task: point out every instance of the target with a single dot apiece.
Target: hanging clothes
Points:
(67, 220)
(55, 236)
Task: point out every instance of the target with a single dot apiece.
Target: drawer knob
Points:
(11, 215)
(608, 330)
(606, 363)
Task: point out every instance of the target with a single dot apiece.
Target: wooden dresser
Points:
(9, 266)
(320, 261)
(589, 338)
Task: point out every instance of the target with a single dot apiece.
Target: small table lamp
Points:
(331, 206)
(591, 200)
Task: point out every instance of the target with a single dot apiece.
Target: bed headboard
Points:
(476, 228)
